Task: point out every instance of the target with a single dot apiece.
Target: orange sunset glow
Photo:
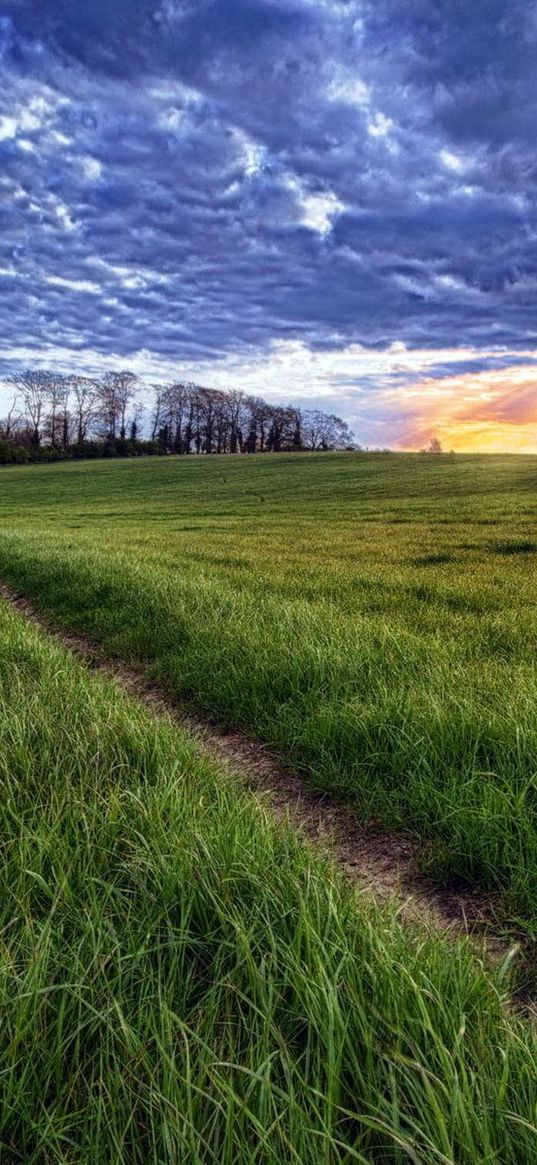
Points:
(488, 412)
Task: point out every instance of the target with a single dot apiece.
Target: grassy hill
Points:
(372, 616)
(182, 979)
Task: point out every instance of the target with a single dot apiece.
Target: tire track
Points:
(385, 864)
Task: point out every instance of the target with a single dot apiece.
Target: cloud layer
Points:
(203, 185)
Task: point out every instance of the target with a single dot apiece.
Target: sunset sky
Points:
(325, 202)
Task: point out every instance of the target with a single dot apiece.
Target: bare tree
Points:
(258, 424)
(64, 411)
(213, 404)
(116, 391)
(324, 431)
(157, 410)
(56, 424)
(34, 390)
(11, 418)
(126, 392)
(176, 402)
(84, 392)
(313, 428)
(282, 429)
(236, 412)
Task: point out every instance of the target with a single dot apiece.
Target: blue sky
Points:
(327, 202)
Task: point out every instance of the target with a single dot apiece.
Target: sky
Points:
(331, 203)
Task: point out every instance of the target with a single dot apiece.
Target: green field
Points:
(182, 981)
(372, 616)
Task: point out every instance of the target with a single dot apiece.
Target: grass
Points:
(181, 980)
(372, 616)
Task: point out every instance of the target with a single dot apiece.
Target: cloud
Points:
(205, 181)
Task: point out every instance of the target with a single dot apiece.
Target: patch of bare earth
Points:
(384, 864)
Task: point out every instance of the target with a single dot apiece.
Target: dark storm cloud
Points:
(201, 177)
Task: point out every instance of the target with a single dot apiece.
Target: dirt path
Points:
(384, 864)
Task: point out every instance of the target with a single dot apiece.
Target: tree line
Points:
(53, 416)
